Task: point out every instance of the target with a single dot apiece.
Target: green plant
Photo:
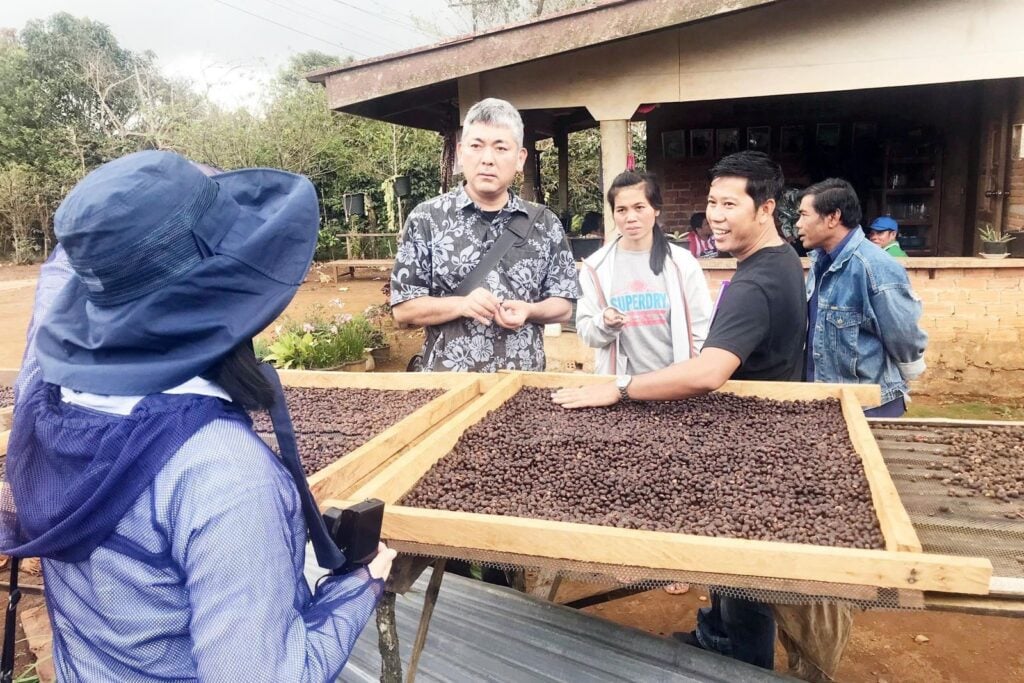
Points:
(261, 348)
(320, 341)
(291, 349)
(989, 234)
(678, 236)
(29, 675)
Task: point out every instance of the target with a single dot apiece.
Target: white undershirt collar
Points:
(123, 405)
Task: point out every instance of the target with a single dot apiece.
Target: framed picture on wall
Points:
(727, 141)
(701, 142)
(673, 144)
(759, 138)
(827, 136)
(791, 140)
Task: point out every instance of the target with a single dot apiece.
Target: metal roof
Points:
(417, 87)
(481, 632)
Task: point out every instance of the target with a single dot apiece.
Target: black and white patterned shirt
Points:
(444, 239)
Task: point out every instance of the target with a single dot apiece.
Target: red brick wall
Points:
(975, 323)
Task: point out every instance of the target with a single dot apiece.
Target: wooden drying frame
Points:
(355, 467)
(351, 469)
(900, 566)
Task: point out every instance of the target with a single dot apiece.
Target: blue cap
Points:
(883, 223)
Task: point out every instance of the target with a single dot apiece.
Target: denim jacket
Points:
(867, 329)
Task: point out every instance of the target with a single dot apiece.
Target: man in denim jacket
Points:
(862, 328)
(862, 314)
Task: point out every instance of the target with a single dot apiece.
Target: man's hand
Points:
(613, 318)
(513, 314)
(480, 305)
(593, 396)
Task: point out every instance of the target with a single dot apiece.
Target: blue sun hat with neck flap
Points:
(174, 269)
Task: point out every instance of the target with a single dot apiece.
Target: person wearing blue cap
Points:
(172, 538)
(883, 233)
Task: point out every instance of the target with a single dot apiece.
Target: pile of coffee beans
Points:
(6, 397)
(332, 422)
(717, 465)
(985, 461)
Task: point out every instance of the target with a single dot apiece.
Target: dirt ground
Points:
(975, 649)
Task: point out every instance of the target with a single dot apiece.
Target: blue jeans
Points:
(894, 408)
(737, 628)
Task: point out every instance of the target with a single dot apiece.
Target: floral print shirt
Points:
(443, 240)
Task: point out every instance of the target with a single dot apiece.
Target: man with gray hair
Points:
(480, 268)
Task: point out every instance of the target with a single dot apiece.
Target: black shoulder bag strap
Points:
(517, 229)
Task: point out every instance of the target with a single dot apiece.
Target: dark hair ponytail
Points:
(652, 191)
(238, 373)
(659, 249)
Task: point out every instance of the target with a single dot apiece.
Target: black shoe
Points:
(688, 638)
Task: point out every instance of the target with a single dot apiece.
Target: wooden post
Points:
(562, 143)
(387, 640)
(429, 600)
(614, 152)
(529, 189)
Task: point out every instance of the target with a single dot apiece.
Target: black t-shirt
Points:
(762, 316)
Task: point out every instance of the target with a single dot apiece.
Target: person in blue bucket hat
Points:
(172, 538)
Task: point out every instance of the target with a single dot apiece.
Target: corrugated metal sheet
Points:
(481, 632)
(971, 527)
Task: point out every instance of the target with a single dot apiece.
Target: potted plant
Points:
(993, 244)
(355, 204)
(322, 343)
(584, 234)
(402, 186)
(1017, 245)
(378, 345)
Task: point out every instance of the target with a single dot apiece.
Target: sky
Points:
(231, 48)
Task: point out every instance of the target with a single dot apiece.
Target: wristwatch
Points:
(622, 384)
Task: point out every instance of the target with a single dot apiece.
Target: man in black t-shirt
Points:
(757, 333)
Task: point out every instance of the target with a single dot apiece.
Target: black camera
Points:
(356, 531)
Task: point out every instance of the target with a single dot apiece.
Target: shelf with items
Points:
(912, 195)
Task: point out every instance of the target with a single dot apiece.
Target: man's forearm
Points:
(428, 310)
(694, 377)
(554, 309)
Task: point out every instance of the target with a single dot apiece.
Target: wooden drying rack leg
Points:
(387, 640)
(429, 600)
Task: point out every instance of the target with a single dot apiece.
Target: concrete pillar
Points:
(470, 92)
(562, 143)
(614, 154)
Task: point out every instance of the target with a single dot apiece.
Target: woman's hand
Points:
(380, 566)
(613, 318)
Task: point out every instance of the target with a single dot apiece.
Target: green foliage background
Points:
(71, 98)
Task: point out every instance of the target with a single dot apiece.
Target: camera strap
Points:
(517, 229)
(328, 555)
(14, 596)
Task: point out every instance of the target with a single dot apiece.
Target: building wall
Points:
(974, 317)
(798, 46)
(897, 114)
(1015, 205)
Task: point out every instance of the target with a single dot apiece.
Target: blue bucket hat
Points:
(174, 268)
(884, 223)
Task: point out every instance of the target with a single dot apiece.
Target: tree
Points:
(483, 14)
(71, 98)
